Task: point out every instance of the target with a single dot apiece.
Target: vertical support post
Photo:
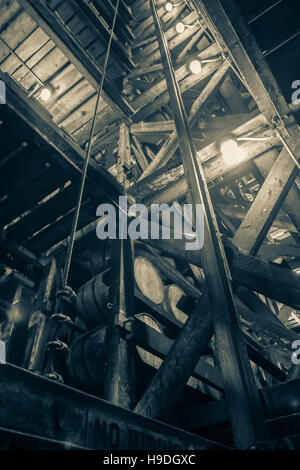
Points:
(119, 376)
(39, 322)
(244, 405)
(124, 155)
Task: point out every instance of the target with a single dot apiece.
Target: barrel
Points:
(148, 280)
(92, 301)
(147, 357)
(173, 294)
(86, 359)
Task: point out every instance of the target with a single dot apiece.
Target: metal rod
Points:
(245, 408)
(262, 13)
(86, 162)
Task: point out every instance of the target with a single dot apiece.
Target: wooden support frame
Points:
(233, 36)
(83, 419)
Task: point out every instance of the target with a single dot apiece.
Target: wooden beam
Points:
(101, 425)
(69, 45)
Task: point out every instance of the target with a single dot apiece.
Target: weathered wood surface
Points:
(82, 419)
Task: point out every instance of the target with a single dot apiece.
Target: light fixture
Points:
(168, 6)
(46, 93)
(195, 66)
(231, 151)
(180, 28)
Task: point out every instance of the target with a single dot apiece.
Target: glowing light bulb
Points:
(195, 66)
(180, 27)
(169, 6)
(231, 151)
(46, 94)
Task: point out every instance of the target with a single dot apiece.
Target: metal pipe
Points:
(245, 407)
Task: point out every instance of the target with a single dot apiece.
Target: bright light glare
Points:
(169, 6)
(180, 28)
(46, 94)
(231, 151)
(195, 66)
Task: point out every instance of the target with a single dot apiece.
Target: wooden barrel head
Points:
(148, 280)
(174, 294)
(147, 357)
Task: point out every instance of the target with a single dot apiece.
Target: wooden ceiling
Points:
(61, 44)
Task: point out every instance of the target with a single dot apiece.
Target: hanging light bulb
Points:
(231, 151)
(168, 6)
(180, 27)
(46, 93)
(195, 66)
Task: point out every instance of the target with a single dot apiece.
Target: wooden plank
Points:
(102, 31)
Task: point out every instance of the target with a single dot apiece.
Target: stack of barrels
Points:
(86, 362)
